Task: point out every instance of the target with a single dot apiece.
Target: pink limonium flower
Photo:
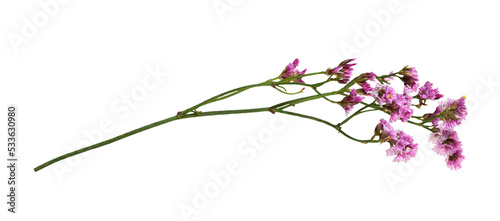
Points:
(350, 100)
(384, 131)
(399, 105)
(399, 108)
(410, 77)
(452, 112)
(366, 88)
(455, 160)
(369, 76)
(435, 120)
(427, 92)
(446, 141)
(403, 147)
(383, 94)
(292, 71)
(401, 144)
(343, 71)
(405, 111)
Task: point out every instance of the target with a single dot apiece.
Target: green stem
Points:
(323, 96)
(226, 95)
(289, 103)
(235, 91)
(354, 114)
(270, 82)
(327, 123)
(367, 111)
(430, 119)
(300, 76)
(146, 127)
(182, 115)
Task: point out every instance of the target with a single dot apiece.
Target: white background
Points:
(87, 57)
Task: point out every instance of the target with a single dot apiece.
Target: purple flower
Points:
(289, 70)
(370, 76)
(434, 121)
(409, 71)
(396, 107)
(344, 78)
(452, 112)
(384, 131)
(365, 89)
(402, 147)
(427, 92)
(349, 101)
(448, 144)
(400, 108)
(292, 71)
(410, 77)
(446, 141)
(399, 105)
(299, 80)
(362, 79)
(401, 144)
(383, 93)
(405, 111)
(346, 61)
(455, 160)
(343, 71)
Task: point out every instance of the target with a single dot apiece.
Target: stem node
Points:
(179, 114)
(272, 110)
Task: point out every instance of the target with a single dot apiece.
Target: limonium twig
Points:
(399, 106)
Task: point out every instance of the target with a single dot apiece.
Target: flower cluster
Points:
(427, 92)
(398, 105)
(453, 112)
(349, 101)
(410, 77)
(291, 71)
(401, 144)
(448, 144)
(362, 81)
(447, 115)
(433, 118)
(343, 71)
